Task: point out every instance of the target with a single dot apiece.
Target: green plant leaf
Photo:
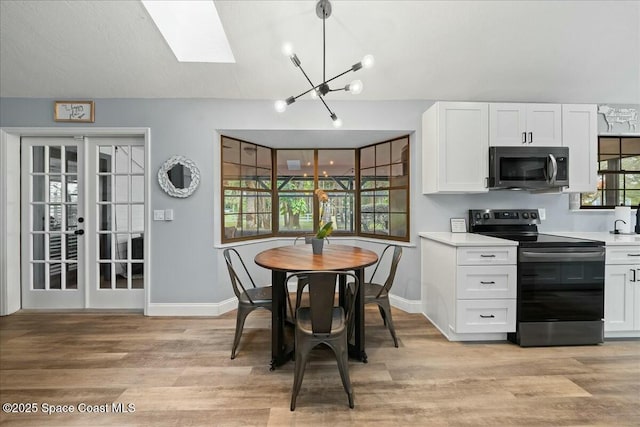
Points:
(325, 230)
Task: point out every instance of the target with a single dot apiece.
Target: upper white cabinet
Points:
(580, 134)
(513, 124)
(455, 147)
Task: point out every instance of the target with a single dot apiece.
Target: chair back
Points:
(322, 289)
(395, 259)
(238, 288)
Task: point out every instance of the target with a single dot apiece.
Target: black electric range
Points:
(560, 282)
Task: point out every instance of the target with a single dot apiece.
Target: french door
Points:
(83, 222)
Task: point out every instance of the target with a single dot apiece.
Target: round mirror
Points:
(179, 176)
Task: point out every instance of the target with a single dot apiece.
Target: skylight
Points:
(192, 29)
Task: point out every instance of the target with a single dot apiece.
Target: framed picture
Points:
(458, 225)
(74, 111)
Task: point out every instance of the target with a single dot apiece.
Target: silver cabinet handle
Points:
(524, 137)
(530, 137)
(487, 256)
(491, 316)
(633, 254)
(633, 272)
(488, 283)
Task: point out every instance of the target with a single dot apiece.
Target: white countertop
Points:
(465, 239)
(604, 236)
(472, 239)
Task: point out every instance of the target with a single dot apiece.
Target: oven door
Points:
(528, 167)
(560, 284)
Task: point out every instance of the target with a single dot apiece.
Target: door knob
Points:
(79, 232)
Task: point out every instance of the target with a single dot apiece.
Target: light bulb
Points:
(280, 105)
(287, 49)
(337, 123)
(368, 61)
(355, 87)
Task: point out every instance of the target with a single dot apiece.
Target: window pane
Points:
(72, 247)
(38, 188)
(400, 151)
(55, 275)
(296, 212)
(105, 275)
(72, 188)
(341, 209)
(55, 162)
(248, 178)
(383, 154)
(632, 197)
(122, 217)
(104, 217)
(38, 160)
(122, 159)
(55, 246)
(72, 217)
(632, 181)
(137, 189)
(137, 217)
(122, 188)
(249, 202)
(382, 176)
(38, 217)
(609, 162)
(137, 159)
(609, 145)
(263, 179)
(248, 154)
(231, 201)
(263, 159)
(38, 247)
(397, 201)
(105, 246)
(630, 145)
(631, 163)
(71, 159)
(368, 178)
(72, 276)
(368, 157)
(230, 150)
(55, 217)
(230, 175)
(104, 188)
(398, 224)
(105, 157)
(336, 169)
(55, 188)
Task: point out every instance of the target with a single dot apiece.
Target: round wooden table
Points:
(285, 259)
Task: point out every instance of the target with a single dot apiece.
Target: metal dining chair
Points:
(375, 293)
(249, 298)
(322, 322)
(303, 239)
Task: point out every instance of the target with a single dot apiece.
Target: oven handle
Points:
(567, 255)
(553, 174)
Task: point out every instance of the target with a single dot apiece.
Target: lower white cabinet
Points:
(622, 292)
(469, 292)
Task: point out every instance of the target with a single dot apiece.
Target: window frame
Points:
(356, 192)
(614, 173)
(223, 188)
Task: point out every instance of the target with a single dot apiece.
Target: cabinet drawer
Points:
(476, 316)
(486, 282)
(487, 255)
(622, 255)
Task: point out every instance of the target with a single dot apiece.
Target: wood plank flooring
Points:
(177, 372)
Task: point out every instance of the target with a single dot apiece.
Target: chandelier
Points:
(323, 10)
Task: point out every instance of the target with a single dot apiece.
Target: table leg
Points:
(280, 351)
(356, 350)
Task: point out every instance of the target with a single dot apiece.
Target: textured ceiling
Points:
(552, 51)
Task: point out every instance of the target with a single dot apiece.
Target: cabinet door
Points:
(580, 134)
(544, 125)
(507, 124)
(619, 288)
(455, 152)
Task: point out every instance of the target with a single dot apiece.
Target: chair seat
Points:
(260, 296)
(371, 291)
(304, 320)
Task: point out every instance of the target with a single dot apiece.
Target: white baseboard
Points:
(216, 309)
(193, 309)
(410, 306)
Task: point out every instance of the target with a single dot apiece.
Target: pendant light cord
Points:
(324, 49)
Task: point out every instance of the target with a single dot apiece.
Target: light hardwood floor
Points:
(177, 372)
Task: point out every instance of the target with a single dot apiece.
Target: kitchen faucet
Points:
(615, 225)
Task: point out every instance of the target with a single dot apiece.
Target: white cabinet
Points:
(513, 124)
(455, 148)
(580, 134)
(469, 292)
(622, 292)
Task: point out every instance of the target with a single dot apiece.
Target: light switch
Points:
(168, 214)
(158, 215)
(542, 212)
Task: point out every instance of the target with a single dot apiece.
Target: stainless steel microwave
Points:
(528, 168)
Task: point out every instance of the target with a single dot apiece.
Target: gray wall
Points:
(186, 266)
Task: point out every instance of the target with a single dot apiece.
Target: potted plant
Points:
(318, 242)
